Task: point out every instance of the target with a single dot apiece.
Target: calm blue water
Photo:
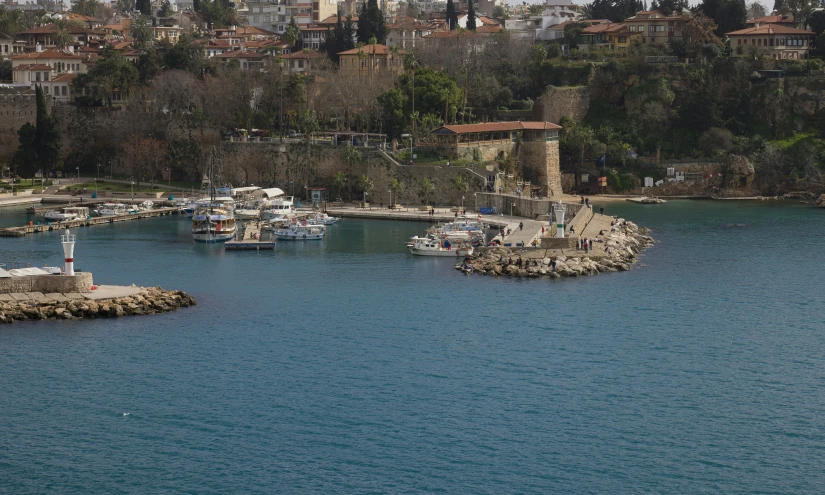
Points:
(349, 367)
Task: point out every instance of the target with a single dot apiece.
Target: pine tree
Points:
(371, 24)
(471, 15)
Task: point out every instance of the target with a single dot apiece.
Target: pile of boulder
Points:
(148, 302)
(820, 203)
(621, 247)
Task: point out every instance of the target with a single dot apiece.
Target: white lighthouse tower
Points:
(68, 240)
(558, 214)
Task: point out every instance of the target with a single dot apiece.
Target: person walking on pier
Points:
(521, 226)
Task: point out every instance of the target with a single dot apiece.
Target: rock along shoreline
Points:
(622, 245)
(149, 301)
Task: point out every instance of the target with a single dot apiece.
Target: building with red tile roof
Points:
(779, 42)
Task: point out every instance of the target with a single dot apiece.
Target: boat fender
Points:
(305, 236)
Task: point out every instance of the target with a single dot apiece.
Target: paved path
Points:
(102, 292)
(532, 228)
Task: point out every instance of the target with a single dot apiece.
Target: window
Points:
(771, 41)
(300, 64)
(739, 41)
(63, 90)
(782, 41)
(660, 29)
(652, 28)
(37, 77)
(622, 39)
(45, 90)
(256, 19)
(759, 42)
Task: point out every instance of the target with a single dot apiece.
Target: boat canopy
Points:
(243, 190)
(270, 193)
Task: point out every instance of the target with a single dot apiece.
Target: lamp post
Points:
(390, 191)
(475, 196)
(78, 174)
(97, 178)
(169, 176)
(132, 187)
(462, 202)
(292, 189)
(365, 199)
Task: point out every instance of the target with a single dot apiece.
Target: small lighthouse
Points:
(68, 240)
(558, 213)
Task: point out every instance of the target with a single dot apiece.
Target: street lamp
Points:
(462, 202)
(169, 174)
(292, 189)
(475, 196)
(390, 191)
(365, 199)
(132, 187)
(97, 178)
(78, 174)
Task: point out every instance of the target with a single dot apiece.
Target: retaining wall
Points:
(80, 282)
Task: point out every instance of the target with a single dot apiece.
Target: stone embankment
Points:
(820, 203)
(147, 302)
(619, 249)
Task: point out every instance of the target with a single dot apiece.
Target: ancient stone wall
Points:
(80, 282)
(525, 207)
(541, 166)
(555, 103)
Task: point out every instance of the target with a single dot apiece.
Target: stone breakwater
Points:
(619, 249)
(148, 302)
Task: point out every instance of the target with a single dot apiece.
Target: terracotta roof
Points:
(371, 50)
(33, 67)
(770, 29)
(121, 45)
(50, 53)
(333, 19)
(602, 28)
(300, 55)
(496, 127)
(80, 17)
(52, 28)
(772, 19)
(455, 33)
(241, 54)
(64, 78)
(265, 44)
(488, 21)
(651, 14)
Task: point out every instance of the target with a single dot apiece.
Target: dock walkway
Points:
(251, 240)
(83, 222)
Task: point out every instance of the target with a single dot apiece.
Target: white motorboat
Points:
(67, 213)
(323, 219)
(146, 205)
(281, 207)
(301, 232)
(434, 246)
(247, 213)
(112, 209)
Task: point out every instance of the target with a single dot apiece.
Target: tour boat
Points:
(433, 246)
(67, 213)
(247, 213)
(301, 231)
(214, 218)
(278, 208)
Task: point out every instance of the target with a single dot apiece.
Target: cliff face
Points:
(789, 102)
(555, 103)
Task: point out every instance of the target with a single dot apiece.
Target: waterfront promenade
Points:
(531, 231)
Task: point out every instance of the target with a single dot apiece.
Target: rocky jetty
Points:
(820, 203)
(148, 302)
(619, 249)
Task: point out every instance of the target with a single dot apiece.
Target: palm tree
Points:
(339, 182)
(425, 187)
(11, 22)
(292, 33)
(351, 157)
(460, 184)
(372, 41)
(141, 31)
(361, 56)
(61, 36)
(366, 184)
(396, 186)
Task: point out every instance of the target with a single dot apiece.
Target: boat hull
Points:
(212, 236)
(299, 237)
(440, 252)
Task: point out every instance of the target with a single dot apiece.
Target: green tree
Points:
(292, 34)
(452, 15)
(144, 6)
(371, 24)
(351, 156)
(61, 37)
(425, 187)
(471, 15)
(817, 22)
(434, 91)
(165, 9)
(392, 104)
(141, 31)
(396, 186)
(499, 12)
(11, 21)
(110, 74)
(459, 184)
(365, 184)
(40, 144)
(86, 7)
(339, 181)
(183, 55)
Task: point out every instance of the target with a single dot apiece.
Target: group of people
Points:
(584, 244)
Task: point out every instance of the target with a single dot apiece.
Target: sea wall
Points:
(523, 207)
(80, 282)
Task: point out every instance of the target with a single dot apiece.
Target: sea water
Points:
(349, 366)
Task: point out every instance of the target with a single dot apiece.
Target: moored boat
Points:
(301, 231)
(435, 246)
(67, 213)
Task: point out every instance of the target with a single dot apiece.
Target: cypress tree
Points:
(144, 6)
(471, 15)
(40, 143)
(452, 18)
(371, 24)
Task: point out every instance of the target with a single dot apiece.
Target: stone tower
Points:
(540, 159)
